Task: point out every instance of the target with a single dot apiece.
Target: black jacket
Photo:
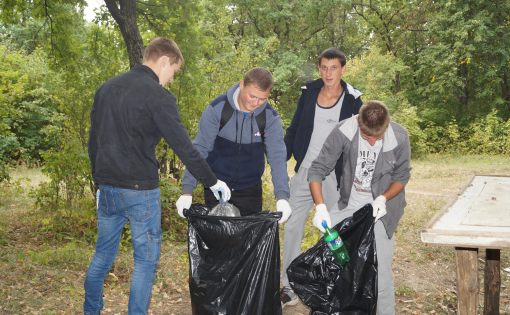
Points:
(131, 113)
(299, 133)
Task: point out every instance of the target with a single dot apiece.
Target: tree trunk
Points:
(124, 13)
(463, 96)
(397, 84)
(505, 91)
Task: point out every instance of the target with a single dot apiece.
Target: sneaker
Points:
(288, 297)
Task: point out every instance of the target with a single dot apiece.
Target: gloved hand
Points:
(379, 206)
(321, 214)
(283, 206)
(97, 199)
(184, 202)
(220, 186)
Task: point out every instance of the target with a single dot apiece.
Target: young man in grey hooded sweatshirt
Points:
(237, 131)
(376, 159)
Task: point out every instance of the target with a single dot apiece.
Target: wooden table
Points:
(478, 218)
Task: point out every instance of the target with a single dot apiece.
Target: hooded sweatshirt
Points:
(237, 152)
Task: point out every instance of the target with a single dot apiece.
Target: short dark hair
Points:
(373, 118)
(333, 53)
(161, 46)
(260, 77)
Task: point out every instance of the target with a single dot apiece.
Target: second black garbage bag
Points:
(234, 263)
(328, 288)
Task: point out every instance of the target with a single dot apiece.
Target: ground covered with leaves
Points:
(42, 271)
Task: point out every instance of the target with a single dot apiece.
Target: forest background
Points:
(442, 67)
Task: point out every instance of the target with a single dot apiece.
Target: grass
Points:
(42, 273)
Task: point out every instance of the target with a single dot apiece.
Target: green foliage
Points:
(28, 105)
(489, 134)
(68, 171)
(464, 70)
(373, 73)
(174, 227)
(443, 139)
(442, 68)
(408, 117)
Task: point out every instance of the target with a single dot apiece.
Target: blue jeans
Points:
(116, 207)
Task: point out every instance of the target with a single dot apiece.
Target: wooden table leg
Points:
(492, 282)
(467, 280)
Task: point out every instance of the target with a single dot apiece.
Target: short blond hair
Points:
(373, 118)
(161, 46)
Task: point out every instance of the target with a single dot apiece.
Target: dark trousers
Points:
(249, 200)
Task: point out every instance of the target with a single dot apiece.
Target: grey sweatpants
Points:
(301, 203)
(384, 249)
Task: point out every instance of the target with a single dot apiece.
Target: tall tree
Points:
(124, 12)
(463, 71)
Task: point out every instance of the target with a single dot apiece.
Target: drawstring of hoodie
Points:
(239, 144)
(241, 137)
(251, 132)
(237, 127)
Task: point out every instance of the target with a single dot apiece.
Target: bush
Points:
(407, 117)
(489, 134)
(27, 103)
(443, 138)
(69, 173)
(174, 227)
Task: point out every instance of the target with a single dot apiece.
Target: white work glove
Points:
(379, 206)
(184, 202)
(97, 199)
(321, 214)
(283, 206)
(220, 186)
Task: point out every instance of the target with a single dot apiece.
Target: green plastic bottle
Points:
(336, 245)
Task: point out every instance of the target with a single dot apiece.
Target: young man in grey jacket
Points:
(237, 131)
(376, 168)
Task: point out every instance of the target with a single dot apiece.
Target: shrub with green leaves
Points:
(489, 134)
(27, 103)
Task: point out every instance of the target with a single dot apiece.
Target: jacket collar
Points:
(146, 70)
(350, 129)
(318, 84)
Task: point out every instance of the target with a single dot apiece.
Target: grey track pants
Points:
(301, 203)
(384, 249)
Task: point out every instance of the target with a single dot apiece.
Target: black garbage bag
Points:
(234, 263)
(328, 288)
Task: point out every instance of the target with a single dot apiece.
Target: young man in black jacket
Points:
(323, 103)
(131, 113)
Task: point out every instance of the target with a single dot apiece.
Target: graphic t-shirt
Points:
(361, 192)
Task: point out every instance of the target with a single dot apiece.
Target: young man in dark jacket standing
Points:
(323, 103)
(236, 133)
(131, 113)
